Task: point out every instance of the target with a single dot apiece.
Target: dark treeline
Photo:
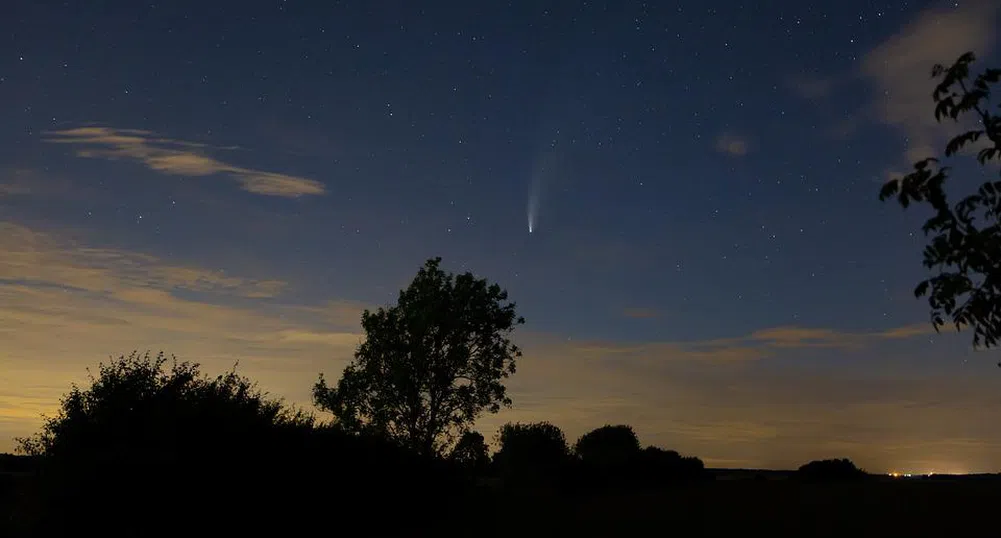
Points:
(155, 448)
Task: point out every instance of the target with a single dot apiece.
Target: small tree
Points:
(471, 452)
(608, 445)
(429, 366)
(965, 245)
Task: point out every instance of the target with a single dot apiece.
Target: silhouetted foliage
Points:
(608, 445)
(661, 466)
(650, 468)
(153, 447)
(431, 364)
(965, 244)
(531, 451)
(832, 470)
(18, 463)
(138, 400)
(471, 452)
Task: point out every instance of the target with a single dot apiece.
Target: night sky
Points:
(708, 260)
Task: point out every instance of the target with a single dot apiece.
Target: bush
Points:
(608, 446)
(661, 466)
(536, 452)
(831, 470)
(157, 449)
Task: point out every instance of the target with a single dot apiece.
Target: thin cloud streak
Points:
(179, 158)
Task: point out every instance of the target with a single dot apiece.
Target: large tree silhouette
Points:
(431, 364)
(965, 238)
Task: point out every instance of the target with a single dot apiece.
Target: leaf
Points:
(889, 189)
(964, 239)
(958, 142)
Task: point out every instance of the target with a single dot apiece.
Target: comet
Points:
(533, 209)
(545, 170)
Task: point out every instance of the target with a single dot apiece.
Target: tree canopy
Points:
(608, 445)
(965, 238)
(471, 452)
(140, 399)
(830, 470)
(531, 446)
(431, 364)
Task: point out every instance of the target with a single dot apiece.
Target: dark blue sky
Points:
(701, 173)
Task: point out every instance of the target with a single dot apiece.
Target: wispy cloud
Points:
(803, 337)
(732, 144)
(900, 69)
(759, 344)
(36, 258)
(175, 157)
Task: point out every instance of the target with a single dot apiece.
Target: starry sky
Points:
(708, 261)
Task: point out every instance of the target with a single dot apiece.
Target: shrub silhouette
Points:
(531, 452)
(608, 445)
(661, 466)
(830, 470)
(152, 448)
(610, 457)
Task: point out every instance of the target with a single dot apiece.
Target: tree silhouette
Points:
(538, 449)
(965, 244)
(661, 466)
(608, 445)
(431, 364)
(471, 453)
(832, 470)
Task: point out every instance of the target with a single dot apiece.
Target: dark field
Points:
(765, 508)
(784, 507)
